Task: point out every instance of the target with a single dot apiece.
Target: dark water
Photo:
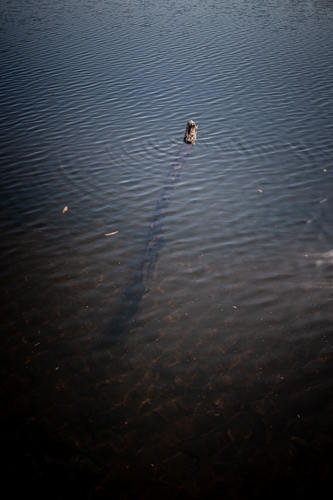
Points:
(220, 386)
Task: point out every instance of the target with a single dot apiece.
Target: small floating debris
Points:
(64, 209)
(260, 190)
(110, 234)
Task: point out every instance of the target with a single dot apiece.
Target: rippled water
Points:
(220, 386)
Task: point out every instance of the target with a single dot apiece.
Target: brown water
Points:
(220, 386)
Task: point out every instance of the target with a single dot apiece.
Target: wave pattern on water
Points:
(222, 382)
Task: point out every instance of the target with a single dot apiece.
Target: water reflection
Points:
(220, 385)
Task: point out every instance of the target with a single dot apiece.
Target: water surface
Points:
(221, 384)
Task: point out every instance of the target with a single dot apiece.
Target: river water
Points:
(220, 385)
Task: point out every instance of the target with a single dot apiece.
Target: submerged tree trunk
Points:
(155, 240)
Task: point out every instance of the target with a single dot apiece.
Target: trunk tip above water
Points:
(191, 133)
